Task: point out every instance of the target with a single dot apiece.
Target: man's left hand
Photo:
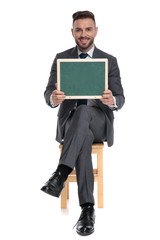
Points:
(107, 98)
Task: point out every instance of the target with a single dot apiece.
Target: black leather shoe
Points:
(55, 184)
(85, 224)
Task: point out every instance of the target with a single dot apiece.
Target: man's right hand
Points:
(58, 97)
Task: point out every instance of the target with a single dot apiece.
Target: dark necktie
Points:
(82, 101)
(83, 55)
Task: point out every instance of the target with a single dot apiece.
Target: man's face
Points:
(84, 31)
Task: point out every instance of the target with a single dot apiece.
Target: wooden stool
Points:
(97, 148)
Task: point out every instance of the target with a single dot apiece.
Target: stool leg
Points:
(67, 189)
(64, 192)
(100, 177)
(64, 196)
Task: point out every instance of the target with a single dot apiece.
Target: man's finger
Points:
(105, 95)
(57, 92)
(107, 91)
(61, 96)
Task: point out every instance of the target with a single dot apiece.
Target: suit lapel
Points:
(74, 53)
(96, 53)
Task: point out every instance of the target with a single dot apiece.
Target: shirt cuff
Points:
(113, 107)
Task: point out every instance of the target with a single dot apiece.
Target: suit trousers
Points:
(85, 125)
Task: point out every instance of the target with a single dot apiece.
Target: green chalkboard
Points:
(82, 78)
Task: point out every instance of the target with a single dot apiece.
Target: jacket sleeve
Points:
(51, 82)
(114, 83)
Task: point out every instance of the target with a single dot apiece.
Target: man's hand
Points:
(58, 96)
(107, 98)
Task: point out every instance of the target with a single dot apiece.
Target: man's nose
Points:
(83, 33)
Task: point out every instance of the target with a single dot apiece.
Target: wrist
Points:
(114, 105)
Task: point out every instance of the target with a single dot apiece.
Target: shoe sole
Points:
(85, 234)
(50, 192)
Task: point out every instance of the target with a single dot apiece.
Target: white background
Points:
(32, 32)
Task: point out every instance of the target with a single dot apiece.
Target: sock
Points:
(87, 204)
(65, 170)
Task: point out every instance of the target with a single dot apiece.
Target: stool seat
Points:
(97, 148)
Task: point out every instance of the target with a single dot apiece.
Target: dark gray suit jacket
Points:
(114, 84)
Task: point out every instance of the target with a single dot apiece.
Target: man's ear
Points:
(72, 32)
(96, 30)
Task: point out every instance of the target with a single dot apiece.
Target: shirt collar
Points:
(90, 52)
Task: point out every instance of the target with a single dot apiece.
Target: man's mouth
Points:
(83, 40)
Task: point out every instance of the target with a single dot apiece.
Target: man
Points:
(82, 122)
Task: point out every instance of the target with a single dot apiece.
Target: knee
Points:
(81, 113)
(81, 109)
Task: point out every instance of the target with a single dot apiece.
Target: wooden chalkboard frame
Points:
(105, 60)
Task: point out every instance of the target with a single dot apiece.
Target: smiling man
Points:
(82, 122)
(84, 31)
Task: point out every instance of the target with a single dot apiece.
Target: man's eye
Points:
(88, 29)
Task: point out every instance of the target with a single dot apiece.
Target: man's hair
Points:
(82, 15)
